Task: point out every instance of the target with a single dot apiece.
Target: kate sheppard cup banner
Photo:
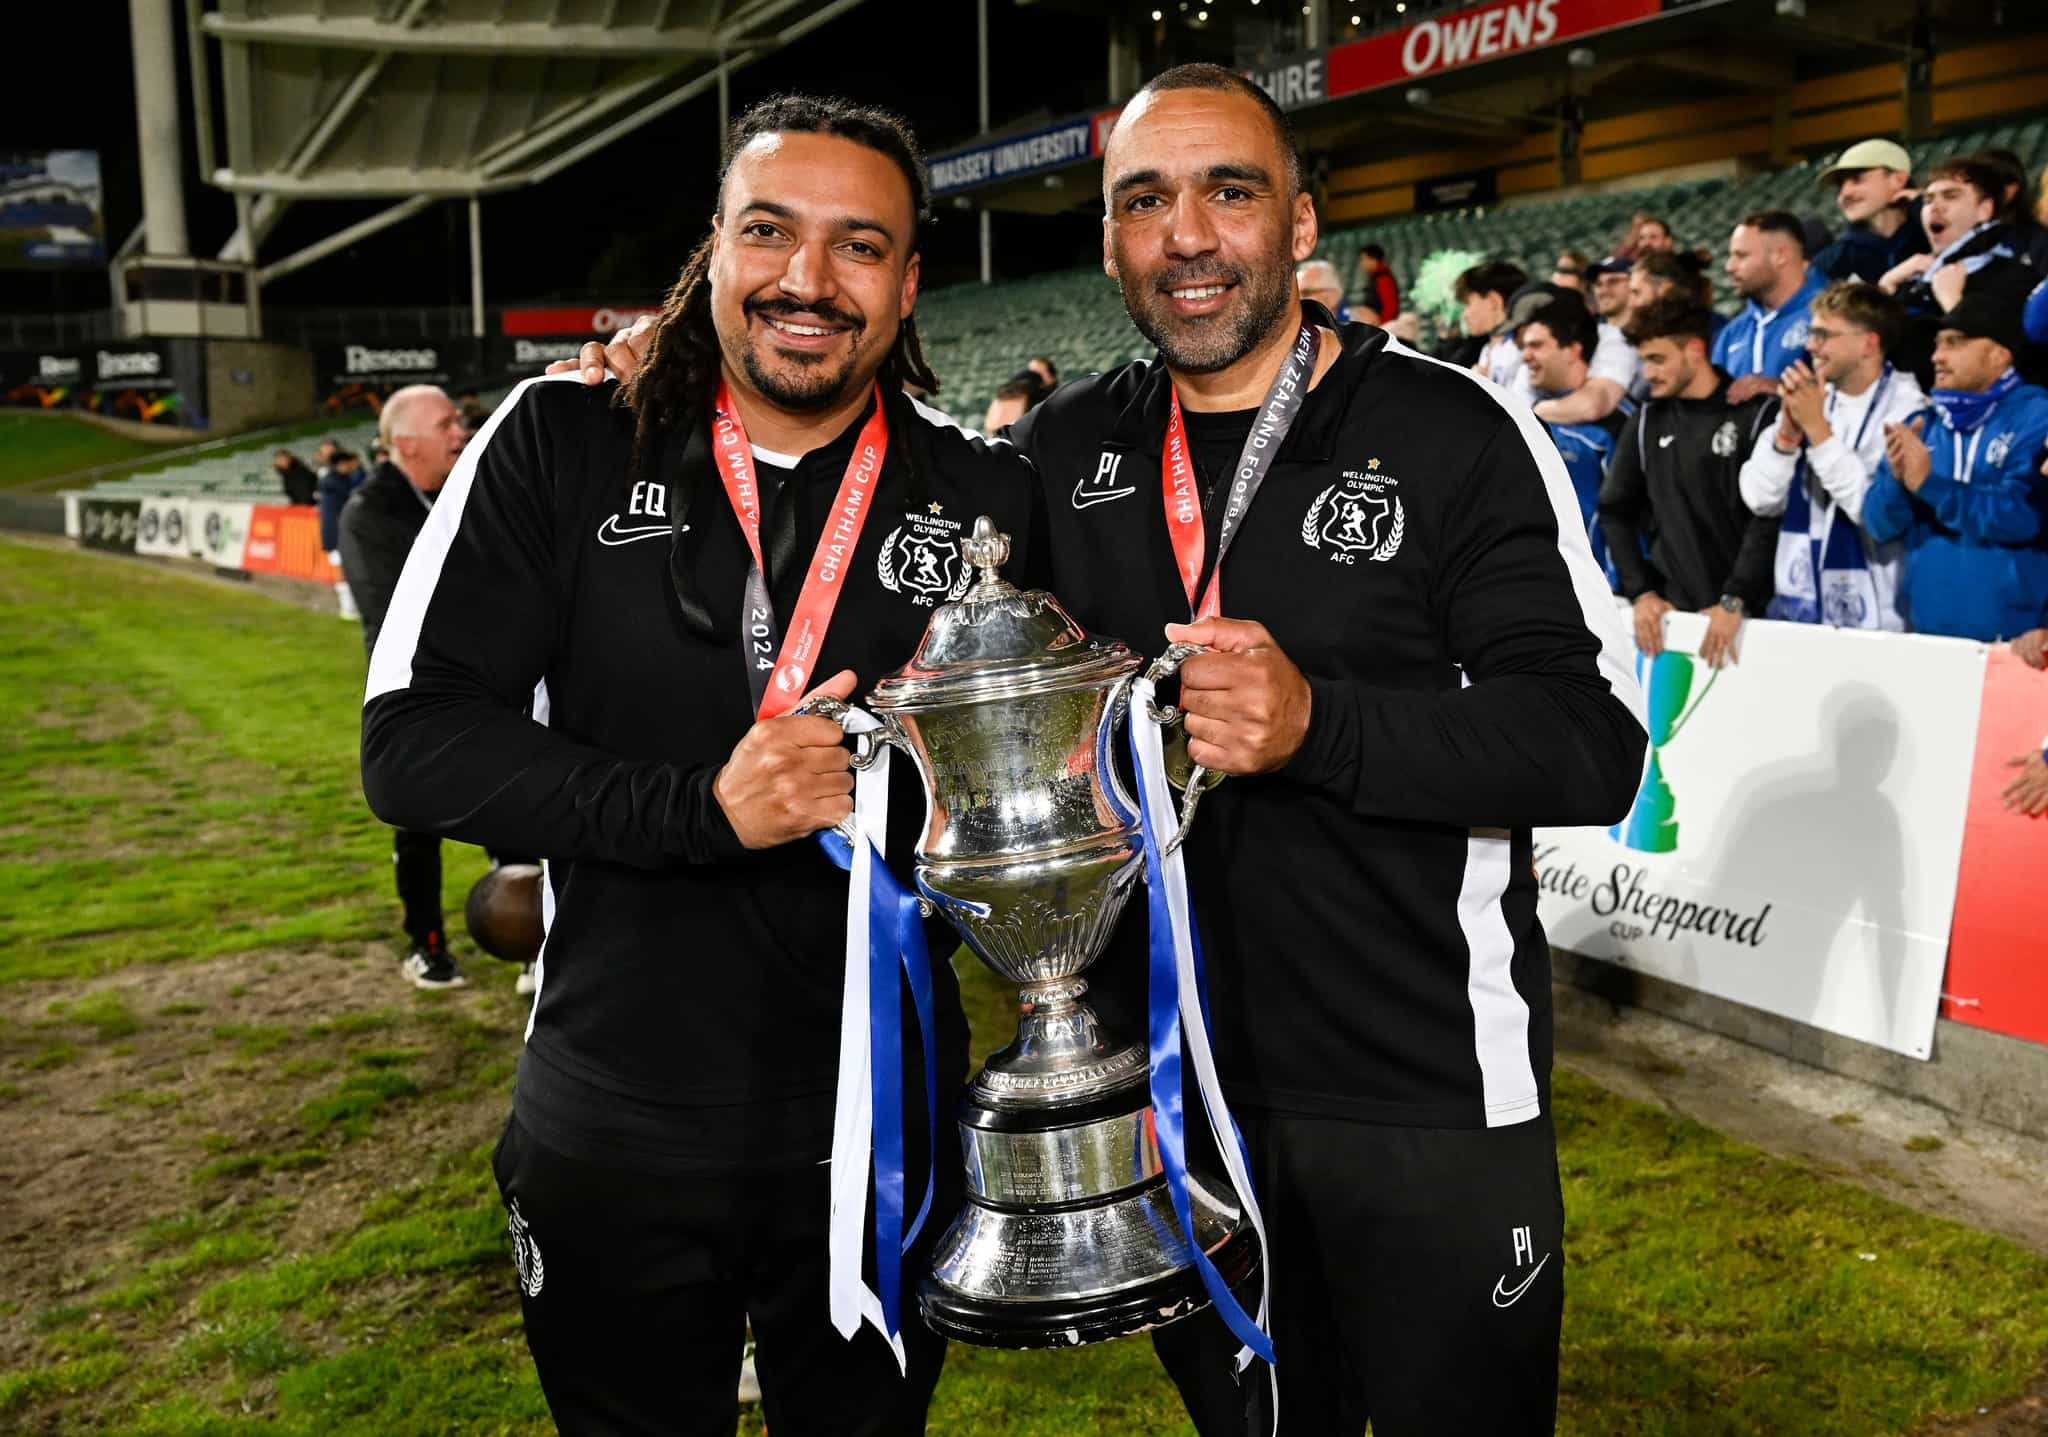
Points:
(1795, 842)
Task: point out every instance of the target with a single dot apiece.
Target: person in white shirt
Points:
(1815, 465)
(1484, 291)
(1613, 369)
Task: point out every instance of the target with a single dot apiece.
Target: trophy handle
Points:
(1118, 707)
(865, 745)
(1199, 780)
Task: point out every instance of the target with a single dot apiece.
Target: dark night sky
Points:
(617, 225)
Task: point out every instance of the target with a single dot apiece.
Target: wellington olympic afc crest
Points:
(921, 556)
(1359, 514)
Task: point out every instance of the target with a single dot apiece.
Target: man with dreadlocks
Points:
(638, 552)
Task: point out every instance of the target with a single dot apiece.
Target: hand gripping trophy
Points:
(1076, 1225)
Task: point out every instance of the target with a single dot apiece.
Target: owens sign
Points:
(1485, 32)
(577, 319)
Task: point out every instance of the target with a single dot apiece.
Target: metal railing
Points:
(58, 331)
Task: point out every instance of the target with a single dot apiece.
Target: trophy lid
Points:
(998, 641)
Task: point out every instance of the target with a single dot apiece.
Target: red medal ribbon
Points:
(1184, 526)
(1184, 516)
(781, 675)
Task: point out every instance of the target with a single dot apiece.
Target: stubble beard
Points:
(1202, 344)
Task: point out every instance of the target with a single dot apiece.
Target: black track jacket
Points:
(1676, 478)
(1369, 913)
(375, 533)
(687, 1017)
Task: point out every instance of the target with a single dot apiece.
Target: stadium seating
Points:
(977, 337)
(241, 473)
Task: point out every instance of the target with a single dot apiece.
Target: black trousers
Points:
(637, 1289)
(416, 860)
(1418, 1281)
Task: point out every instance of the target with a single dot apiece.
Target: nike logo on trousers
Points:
(1504, 1296)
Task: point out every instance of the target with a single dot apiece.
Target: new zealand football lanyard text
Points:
(1177, 475)
(779, 668)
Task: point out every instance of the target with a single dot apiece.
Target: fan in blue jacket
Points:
(1964, 489)
(1767, 262)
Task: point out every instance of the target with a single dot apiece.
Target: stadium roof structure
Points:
(425, 100)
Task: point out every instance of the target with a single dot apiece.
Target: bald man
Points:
(423, 432)
(1319, 281)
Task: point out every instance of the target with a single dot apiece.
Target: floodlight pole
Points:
(981, 55)
(724, 102)
(156, 126)
(476, 267)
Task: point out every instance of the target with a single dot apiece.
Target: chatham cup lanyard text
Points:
(1177, 475)
(779, 668)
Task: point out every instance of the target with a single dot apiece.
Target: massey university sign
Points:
(1796, 839)
(1309, 77)
(1053, 148)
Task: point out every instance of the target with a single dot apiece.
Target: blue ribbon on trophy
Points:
(884, 935)
(1178, 1001)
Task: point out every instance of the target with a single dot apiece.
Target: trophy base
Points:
(1069, 1235)
(994, 1322)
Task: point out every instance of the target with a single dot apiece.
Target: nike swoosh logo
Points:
(613, 533)
(1665, 441)
(1084, 496)
(1504, 1296)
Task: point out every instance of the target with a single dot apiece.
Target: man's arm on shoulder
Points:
(1546, 727)
(447, 745)
(1590, 403)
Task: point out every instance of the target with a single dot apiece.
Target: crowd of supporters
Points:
(1862, 445)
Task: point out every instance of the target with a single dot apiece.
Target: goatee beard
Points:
(809, 392)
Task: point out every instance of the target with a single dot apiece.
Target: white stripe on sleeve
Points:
(1597, 607)
(1500, 1017)
(399, 639)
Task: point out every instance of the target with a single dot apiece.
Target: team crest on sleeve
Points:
(921, 556)
(1725, 439)
(1358, 515)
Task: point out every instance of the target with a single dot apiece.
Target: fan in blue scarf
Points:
(1962, 411)
(1823, 575)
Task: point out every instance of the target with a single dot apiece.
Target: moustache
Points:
(787, 308)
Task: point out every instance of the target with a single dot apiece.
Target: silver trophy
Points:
(1031, 847)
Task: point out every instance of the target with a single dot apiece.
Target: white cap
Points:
(1870, 155)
